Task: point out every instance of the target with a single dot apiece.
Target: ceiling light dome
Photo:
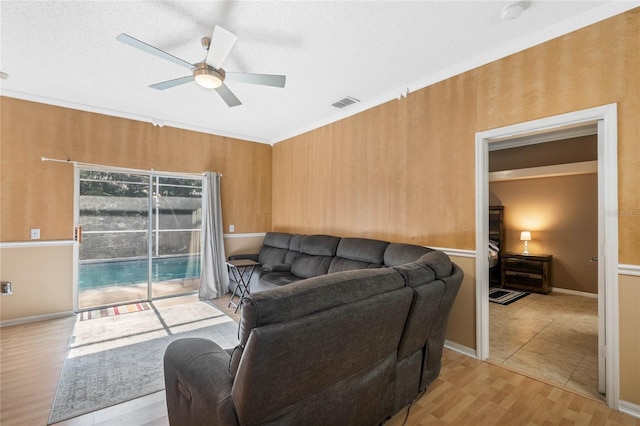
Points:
(208, 77)
(511, 12)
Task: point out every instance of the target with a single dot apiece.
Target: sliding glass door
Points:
(176, 232)
(138, 235)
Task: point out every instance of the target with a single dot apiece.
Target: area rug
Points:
(504, 296)
(114, 310)
(119, 358)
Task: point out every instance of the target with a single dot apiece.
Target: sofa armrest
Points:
(250, 256)
(198, 383)
(279, 267)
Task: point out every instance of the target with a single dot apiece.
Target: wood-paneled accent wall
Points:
(395, 172)
(37, 194)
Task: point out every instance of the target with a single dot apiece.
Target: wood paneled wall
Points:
(404, 171)
(394, 172)
(37, 194)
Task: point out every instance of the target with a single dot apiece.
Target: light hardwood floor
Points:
(467, 392)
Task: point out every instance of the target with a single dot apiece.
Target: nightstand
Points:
(530, 272)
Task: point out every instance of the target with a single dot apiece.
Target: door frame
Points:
(607, 215)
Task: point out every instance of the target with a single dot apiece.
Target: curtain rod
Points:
(123, 169)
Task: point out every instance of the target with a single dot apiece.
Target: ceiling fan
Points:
(208, 73)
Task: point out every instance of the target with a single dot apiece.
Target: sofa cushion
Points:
(277, 239)
(294, 243)
(307, 266)
(276, 267)
(358, 253)
(435, 342)
(426, 307)
(319, 245)
(339, 264)
(271, 255)
(399, 253)
(429, 267)
(316, 253)
(275, 279)
(362, 249)
(274, 248)
(438, 261)
(424, 276)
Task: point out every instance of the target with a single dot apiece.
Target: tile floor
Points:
(553, 337)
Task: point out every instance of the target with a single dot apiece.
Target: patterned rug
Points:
(504, 296)
(114, 310)
(119, 358)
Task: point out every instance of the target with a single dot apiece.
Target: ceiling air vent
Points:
(345, 102)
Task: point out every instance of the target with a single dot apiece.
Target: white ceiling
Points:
(66, 53)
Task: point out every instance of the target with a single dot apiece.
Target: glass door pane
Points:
(114, 252)
(175, 262)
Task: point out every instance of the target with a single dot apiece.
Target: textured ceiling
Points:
(66, 53)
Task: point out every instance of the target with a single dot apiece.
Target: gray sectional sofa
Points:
(352, 346)
(286, 258)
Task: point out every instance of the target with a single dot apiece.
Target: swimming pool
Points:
(93, 275)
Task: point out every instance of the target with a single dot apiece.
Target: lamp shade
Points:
(525, 236)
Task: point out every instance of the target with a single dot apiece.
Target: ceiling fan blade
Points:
(228, 96)
(134, 42)
(222, 42)
(172, 83)
(263, 79)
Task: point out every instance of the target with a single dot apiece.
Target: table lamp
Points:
(525, 236)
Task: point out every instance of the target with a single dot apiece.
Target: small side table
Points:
(237, 268)
(529, 272)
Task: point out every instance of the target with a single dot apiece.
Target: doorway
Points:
(137, 237)
(547, 189)
(605, 118)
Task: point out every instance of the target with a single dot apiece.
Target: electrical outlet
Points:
(232, 228)
(35, 233)
(6, 288)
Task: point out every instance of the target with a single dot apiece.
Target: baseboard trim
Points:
(460, 349)
(575, 292)
(629, 408)
(36, 318)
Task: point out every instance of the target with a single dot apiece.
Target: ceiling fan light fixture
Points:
(208, 78)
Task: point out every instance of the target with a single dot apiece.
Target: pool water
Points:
(134, 271)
